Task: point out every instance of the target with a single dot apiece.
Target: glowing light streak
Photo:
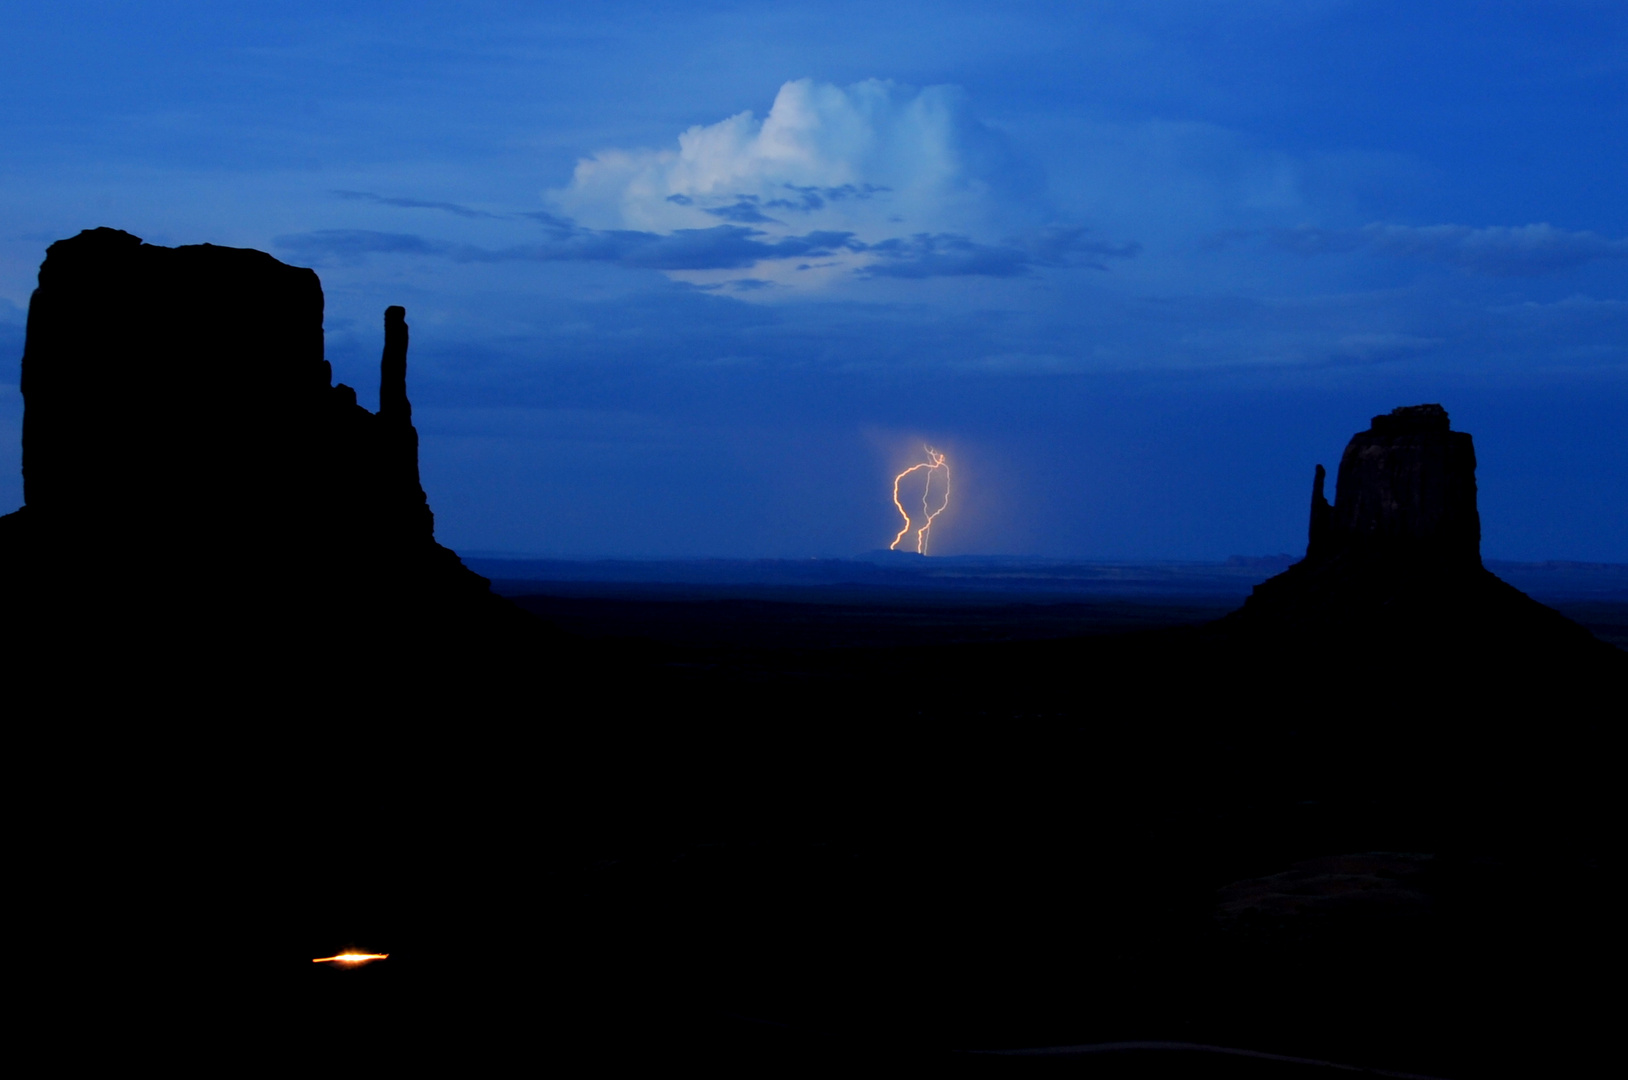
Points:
(351, 958)
(935, 461)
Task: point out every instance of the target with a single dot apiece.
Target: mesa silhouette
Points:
(1393, 574)
(193, 480)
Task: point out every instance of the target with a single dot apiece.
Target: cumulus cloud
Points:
(918, 186)
(871, 181)
(861, 154)
(1501, 250)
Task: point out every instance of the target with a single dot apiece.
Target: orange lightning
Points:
(350, 958)
(935, 461)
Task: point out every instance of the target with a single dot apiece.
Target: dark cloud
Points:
(1498, 250)
(352, 243)
(723, 247)
(1522, 250)
(717, 248)
(748, 209)
(952, 255)
(945, 255)
(1072, 245)
(810, 198)
(743, 211)
(547, 220)
(734, 285)
(418, 204)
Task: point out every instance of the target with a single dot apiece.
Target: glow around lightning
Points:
(934, 464)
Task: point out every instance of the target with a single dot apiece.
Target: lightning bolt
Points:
(935, 461)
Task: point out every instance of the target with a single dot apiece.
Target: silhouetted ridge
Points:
(1394, 564)
(181, 432)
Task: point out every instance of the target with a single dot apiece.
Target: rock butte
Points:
(1393, 567)
(194, 482)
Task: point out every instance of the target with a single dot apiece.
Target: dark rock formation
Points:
(1394, 565)
(193, 480)
(1407, 484)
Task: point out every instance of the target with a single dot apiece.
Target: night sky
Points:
(695, 279)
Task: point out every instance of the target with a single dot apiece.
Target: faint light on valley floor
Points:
(351, 959)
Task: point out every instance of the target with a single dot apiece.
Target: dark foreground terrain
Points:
(715, 834)
(930, 816)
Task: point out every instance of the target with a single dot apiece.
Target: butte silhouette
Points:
(200, 497)
(1392, 585)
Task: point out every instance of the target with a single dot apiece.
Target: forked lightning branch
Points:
(930, 469)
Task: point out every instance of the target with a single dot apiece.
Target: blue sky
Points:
(697, 279)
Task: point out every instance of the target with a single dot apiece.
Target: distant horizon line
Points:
(906, 558)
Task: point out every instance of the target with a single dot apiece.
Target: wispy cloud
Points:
(1500, 250)
(734, 247)
(419, 204)
(354, 243)
(722, 247)
(950, 255)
